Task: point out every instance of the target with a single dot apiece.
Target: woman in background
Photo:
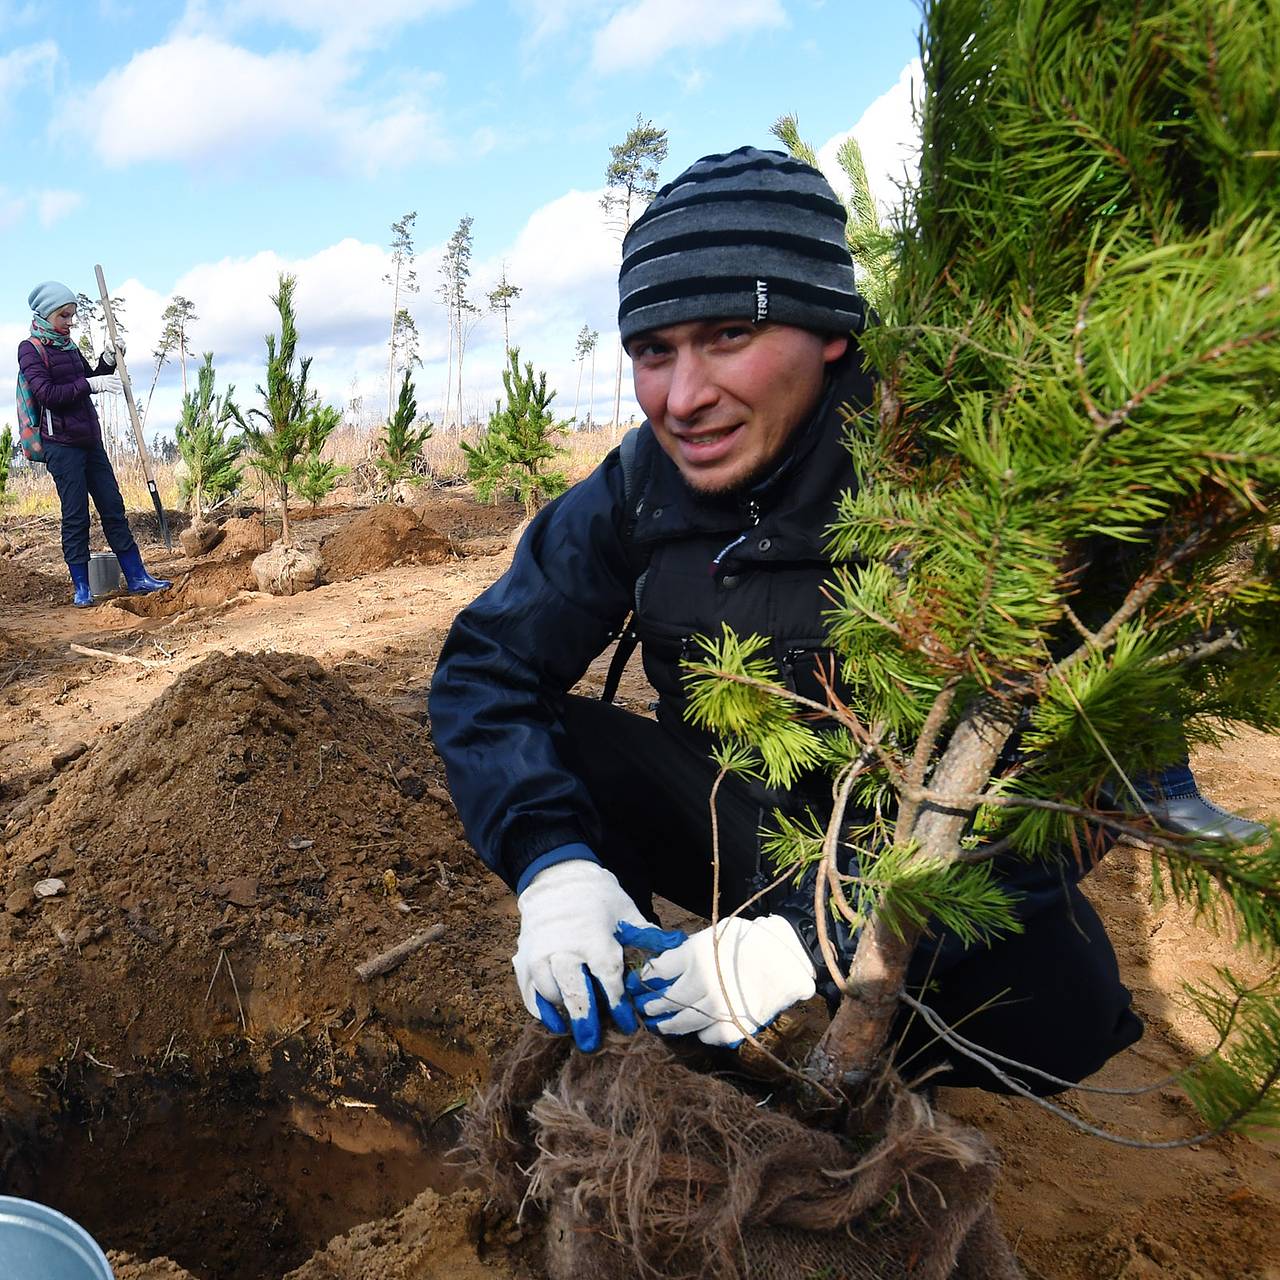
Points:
(55, 388)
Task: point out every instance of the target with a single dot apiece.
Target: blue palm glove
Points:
(764, 969)
(568, 961)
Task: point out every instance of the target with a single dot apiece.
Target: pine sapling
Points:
(277, 435)
(6, 455)
(1052, 573)
(510, 455)
(401, 441)
(318, 476)
(209, 453)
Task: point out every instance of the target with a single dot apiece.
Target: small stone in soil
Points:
(19, 902)
(68, 754)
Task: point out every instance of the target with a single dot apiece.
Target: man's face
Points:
(724, 396)
(63, 318)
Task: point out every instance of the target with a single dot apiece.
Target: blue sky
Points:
(202, 148)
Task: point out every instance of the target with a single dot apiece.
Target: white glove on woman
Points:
(106, 382)
(569, 915)
(110, 356)
(764, 966)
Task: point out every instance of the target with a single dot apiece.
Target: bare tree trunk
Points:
(461, 340)
(391, 344)
(577, 395)
(592, 403)
(155, 377)
(182, 353)
(448, 377)
(617, 389)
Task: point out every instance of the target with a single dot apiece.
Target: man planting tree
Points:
(739, 311)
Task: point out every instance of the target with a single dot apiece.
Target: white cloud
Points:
(548, 18)
(889, 139)
(55, 204)
(221, 100)
(11, 209)
(333, 21)
(49, 206)
(644, 30)
(28, 64)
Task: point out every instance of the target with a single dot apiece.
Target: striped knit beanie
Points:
(750, 235)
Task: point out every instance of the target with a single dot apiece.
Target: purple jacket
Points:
(62, 387)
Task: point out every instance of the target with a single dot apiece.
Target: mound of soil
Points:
(204, 584)
(244, 534)
(20, 585)
(379, 537)
(262, 809)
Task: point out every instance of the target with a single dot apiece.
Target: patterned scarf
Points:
(28, 411)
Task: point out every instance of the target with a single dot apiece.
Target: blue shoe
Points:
(136, 578)
(83, 597)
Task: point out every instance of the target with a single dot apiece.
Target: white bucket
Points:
(39, 1243)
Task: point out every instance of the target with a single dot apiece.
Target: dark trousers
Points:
(81, 472)
(1050, 997)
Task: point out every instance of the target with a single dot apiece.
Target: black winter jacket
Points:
(754, 560)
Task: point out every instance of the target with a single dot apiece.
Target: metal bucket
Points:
(104, 572)
(39, 1243)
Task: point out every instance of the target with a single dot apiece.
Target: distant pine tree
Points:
(318, 477)
(284, 438)
(401, 442)
(209, 453)
(510, 455)
(6, 455)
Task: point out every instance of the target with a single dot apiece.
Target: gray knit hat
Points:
(754, 235)
(48, 297)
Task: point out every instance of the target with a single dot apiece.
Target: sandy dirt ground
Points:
(239, 797)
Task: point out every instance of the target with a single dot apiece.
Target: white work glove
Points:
(569, 916)
(103, 382)
(109, 356)
(764, 966)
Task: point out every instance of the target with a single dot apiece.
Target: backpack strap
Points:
(628, 637)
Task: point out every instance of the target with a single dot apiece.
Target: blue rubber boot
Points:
(83, 597)
(136, 578)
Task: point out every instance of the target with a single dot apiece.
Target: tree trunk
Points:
(577, 395)
(592, 403)
(448, 376)
(617, 389)
(852, 1046)
(391, 343)
(284, 513)
(460, 345)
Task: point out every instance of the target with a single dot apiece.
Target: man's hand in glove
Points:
(764, 969)
(106, 382)
(569, 955)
